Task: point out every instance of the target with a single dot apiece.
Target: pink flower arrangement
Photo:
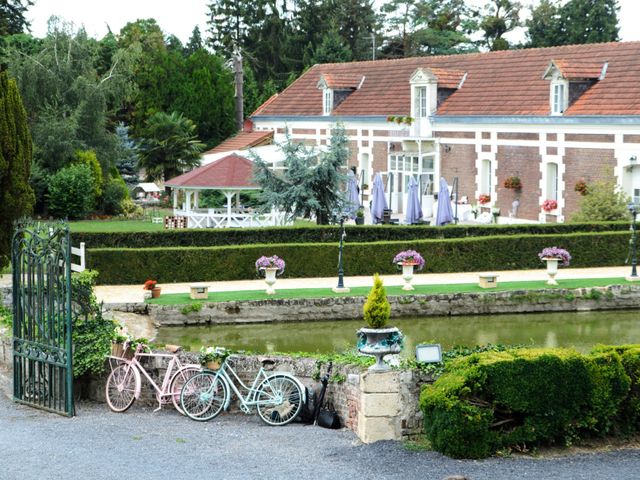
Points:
(555, 252)
(410, 257)
(270, 262)
(549, 205)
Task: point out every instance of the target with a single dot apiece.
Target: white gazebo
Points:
(231, 175)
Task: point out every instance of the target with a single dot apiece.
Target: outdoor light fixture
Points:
(341, 288)
(633, 159)
(633, 210)
(429, 353)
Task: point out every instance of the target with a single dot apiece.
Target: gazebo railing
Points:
(220, 218)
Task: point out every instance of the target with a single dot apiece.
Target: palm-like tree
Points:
(170, 146)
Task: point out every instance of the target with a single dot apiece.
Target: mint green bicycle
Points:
(277, 396)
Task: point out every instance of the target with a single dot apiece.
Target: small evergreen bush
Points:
(377, 309)
(72, 192)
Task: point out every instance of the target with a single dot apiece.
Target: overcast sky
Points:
(179, 17)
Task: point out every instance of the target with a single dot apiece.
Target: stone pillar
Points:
(379, 413)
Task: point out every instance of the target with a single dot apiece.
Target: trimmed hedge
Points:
(326, 233)
(185, 264)
(495, 400)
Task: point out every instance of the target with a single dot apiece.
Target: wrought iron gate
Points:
(42, 368)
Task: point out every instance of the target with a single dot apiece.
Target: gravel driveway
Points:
(98, 444)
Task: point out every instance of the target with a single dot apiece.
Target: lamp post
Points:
(341, 288)
(633, 243)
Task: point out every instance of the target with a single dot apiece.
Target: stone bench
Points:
(199, 292)
(487, 280)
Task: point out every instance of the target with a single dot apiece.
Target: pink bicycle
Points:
(124, 382)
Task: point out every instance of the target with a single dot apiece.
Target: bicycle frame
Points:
(248, 401)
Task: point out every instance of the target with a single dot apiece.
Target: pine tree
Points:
(127, 160)
(377, 309)
(16, 196)
(195, 42)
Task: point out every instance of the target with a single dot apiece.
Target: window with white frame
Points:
(552, 181)
(558, 98)
(485, 177)
(636, 196)
(327, 104)
(422, 104)
(406, 165)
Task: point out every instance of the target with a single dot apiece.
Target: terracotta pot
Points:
(155, 292)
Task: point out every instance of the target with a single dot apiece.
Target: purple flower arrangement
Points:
(410, 256)
(270, 262)
(555, 252)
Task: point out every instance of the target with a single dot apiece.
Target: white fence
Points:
(219, 218)
(78, 252)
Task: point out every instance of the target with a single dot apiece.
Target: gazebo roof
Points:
(232, 172)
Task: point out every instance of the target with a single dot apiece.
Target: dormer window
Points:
(569, 80)
(559, 97)
(336, 88)
(421, 107)
(327, 104)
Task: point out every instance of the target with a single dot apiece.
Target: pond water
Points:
(581, 330)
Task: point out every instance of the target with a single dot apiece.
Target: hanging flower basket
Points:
(513, 183)
(484, 199)
(581, 187)
(549, 205)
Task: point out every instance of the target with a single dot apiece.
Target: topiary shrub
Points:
(71, 192)
(377, 309)
(496, 400)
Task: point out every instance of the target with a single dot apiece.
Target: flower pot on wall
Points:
(379, 342)
(155, 292)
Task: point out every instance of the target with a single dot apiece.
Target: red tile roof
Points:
(574, 70)
(448, 78)
(497, 83)
(232, 171)
(343, 81)
(243, 141)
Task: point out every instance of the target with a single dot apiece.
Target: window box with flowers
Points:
(408, 260)
(151, 287)
(270, 266)
(549, 205)
(513, 183)
(484, 199)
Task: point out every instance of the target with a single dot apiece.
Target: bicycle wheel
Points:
(177, 382)
(120, 390)
(203, 396)
(279, 400)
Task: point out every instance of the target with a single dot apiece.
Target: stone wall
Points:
(6, 298)
(342, 308)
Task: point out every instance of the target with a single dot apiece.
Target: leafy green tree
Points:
(170, 146)
(574, 22)
(498, 18)
(604, 202)
(254, 94)
(310, 184)
(16, 196)
(229, 23)
(115, 192)
(332, 49)
(71, 192)
(356, 21)
(88, 158)
(12, 19)
(195, 42)
(377, 309)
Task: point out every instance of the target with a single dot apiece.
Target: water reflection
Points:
(581, 330)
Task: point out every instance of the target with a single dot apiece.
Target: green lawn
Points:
(102, 226)
(183, 298)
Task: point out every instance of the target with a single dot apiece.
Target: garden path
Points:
(134, 293)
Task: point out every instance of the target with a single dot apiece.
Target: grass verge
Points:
(246, 295)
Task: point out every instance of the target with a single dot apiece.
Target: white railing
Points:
(78, 252)
(219, 218)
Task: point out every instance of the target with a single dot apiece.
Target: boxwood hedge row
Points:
(507, 252)
(523, 398)
(326, 233)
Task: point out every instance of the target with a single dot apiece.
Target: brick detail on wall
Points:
(353, 153)
(460, 162)
(486, 148)
(379, 163)
(486, 135)
(552, 137)
(523, 162)
(365, 143)
(631, 138)
(454, 134)
(584, 164)
(552, 150)
(517, 136)
(585, 137)
(303, 131)
(381, 133)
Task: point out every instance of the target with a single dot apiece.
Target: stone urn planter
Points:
(270, 279)
(552, 269)
(407, 274)
(379, 342)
